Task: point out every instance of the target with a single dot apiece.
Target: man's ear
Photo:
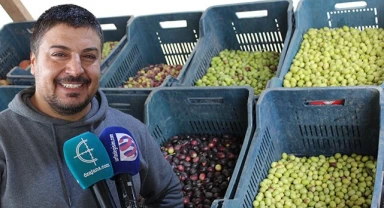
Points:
(33, 63)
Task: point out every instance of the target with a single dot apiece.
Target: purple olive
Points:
(208, 195)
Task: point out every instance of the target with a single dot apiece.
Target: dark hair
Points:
(69, 14)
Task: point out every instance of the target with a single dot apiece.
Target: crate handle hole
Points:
(339, 102)
(108, 27)
(173, 24)
(252, 14)
(351, 5)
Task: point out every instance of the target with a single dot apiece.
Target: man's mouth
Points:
(72, 86)
(72, 82)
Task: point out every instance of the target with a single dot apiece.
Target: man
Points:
(65, 57)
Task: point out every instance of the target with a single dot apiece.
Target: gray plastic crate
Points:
(213, 111)
(323, 13)
(150, 42)
(305, 122)
(224, 27)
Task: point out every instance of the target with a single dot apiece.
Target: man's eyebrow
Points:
(66, 48)
(91, 49)
(60, 46)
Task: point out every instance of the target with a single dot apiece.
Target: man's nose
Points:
(74, 67)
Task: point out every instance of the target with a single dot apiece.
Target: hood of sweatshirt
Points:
(22, 106)
(59, 131)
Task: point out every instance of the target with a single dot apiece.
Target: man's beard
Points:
(67, 109)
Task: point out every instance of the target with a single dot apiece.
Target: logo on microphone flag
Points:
(86, 151)
(128, 149)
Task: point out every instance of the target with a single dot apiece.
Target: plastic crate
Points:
(213, 111)
(290, 121)
(15, 41)
(7, 93)
(323, 13)
(150, 43)
(221, 28)
(19, 76)
(127, 100)
(14, 45)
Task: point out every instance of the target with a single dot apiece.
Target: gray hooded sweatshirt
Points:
(33, 172)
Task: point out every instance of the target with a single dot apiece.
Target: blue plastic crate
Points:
(213, 111)
(323, 13)
(221, 28)
(15, 40)
(288, 122)
(14, 45)
(150, 43)
(7, 93)
(19, 76)
(127, 100)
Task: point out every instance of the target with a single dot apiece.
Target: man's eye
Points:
(92, 57)
(59, 54)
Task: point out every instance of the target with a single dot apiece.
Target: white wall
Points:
(111, 8)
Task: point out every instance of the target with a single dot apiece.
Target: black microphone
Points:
(90, 165)
(124, 155)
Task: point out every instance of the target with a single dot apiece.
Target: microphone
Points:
(90, 165)
(123, 152)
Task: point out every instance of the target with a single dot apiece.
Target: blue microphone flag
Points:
(122, 149)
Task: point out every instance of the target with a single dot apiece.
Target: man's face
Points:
(67, 70)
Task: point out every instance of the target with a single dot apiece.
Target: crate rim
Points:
(138, 17)
(162, 14)
(247, 3)
(269, 90)
(156, 89)
(290, 18)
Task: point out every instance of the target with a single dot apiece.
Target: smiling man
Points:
(66, 66)
(66, 48)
